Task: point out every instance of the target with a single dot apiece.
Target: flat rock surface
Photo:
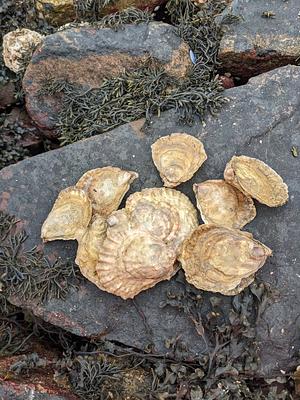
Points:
(261, 119)
(258, 44)
(86, 55)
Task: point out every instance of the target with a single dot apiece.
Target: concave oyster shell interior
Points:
(257, 179)
(222, 204)
(166, 213)
(69, 217)
(130, 259)
(106, 187)
(220, 259)
(88, 247)
(177, 157)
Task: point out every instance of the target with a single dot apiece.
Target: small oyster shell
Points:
(106, 187)
(256, 179)
(166, 213)
(220, 259)
(88, 247)
(177, 157)
(69, 217)
(131, 260)
(222, 204)
(18, 47)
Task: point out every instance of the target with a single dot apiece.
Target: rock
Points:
(258, 44)
(57, 12)
(60, 12)
(18, 47)
(7, 95)
(38, 384)
(86, 56)
(260, 120)
(85, 11)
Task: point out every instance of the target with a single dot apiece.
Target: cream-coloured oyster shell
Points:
(256, 179)
(18, 47)
(220, 259)
(88, 247)
(177, 157)
(222, 204)
(69, 217)
(166, 213)
(130, 259)
(106, 187)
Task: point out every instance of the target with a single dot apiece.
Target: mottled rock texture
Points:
(259, 43)
(60, 12)
(87, 55)
(261, 119)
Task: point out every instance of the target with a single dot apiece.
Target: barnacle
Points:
(88, 247)
(130, 259)
(222, 204)
(166, 213)
(177, 157)
(220, 259)
(106, 187)
(18, 47)
(69, 217)
(256, 179)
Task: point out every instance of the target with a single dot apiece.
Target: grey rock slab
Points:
(262, 120)
(257, 44)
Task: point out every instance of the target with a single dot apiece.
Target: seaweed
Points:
(28, 274)
(94, 379)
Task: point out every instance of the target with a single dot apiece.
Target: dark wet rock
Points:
(37, 384)
(261, 41)
(261, 119)
(87, 55)
(60, 12)
(7, 95)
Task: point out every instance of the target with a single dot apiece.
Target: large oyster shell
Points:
(69, 217)
(255, 178)
(88, 247)
(166, 213)
(131, 259)
(220, 259)
(177, 157)
(106, 187)
(222, 204)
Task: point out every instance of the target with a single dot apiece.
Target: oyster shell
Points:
(177, 157)
(106, 187)
(130, 259)
(166, 213)
(88, 247)
(256, 179)
(220, 259)
(222, 204)
(69, 217)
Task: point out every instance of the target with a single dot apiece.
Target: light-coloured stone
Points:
(18, 47)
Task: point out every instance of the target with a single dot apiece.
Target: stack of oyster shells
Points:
(129, 250)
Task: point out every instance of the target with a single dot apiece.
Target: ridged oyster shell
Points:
(220, 259)
(106, 187)
(222, 204)
(256, 179)
(177, 157)
(130, 259)
(69, 217)
(88, 247)
(166, 213)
